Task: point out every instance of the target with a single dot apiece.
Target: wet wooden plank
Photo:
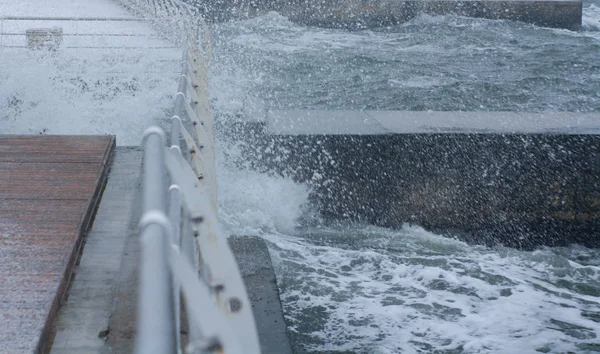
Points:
(43, 166)
(40, 149)
(12, 234)
(48, 206)
(44, 156)
(54, 142)
(27, 178)
(49, 186)
(22, 321)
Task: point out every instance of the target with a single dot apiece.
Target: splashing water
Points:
(361, 289)
(85, 92)
(358, 289)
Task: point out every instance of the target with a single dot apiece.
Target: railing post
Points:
(155, 318)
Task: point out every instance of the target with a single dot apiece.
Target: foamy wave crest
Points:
(410, 291)
(251, 203)
(590, 19)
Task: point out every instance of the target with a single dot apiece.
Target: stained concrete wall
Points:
(519, 189)
(357, 14)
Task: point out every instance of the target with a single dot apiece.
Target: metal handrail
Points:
(195, 260)
(156, 308)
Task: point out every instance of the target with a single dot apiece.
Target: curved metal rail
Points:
(183, 251)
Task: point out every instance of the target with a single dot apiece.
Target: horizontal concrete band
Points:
(317, 122)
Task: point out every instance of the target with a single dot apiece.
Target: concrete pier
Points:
(521, 179)
(360, 14)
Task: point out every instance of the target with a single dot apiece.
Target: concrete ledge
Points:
(255, 265)
(320, 122)
(533, 181)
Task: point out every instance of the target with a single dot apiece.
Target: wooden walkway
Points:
(49, 188)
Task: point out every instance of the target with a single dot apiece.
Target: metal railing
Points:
(183, 251)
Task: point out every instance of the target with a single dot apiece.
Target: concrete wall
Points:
(517, 189)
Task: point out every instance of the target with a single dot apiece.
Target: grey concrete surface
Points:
(321, 122)
(255, 265)
(122, 322)
(83, 321)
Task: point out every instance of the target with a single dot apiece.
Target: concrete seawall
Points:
(491, 177)
(359, 14)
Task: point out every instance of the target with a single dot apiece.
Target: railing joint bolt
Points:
(217, 286)
(197, 219)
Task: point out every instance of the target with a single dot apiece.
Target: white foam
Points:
(590, 19)
(252, 203)
(477, 299)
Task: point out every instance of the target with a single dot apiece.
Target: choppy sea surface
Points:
(363, 289)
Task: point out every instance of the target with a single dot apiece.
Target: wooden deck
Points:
(49, 188)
